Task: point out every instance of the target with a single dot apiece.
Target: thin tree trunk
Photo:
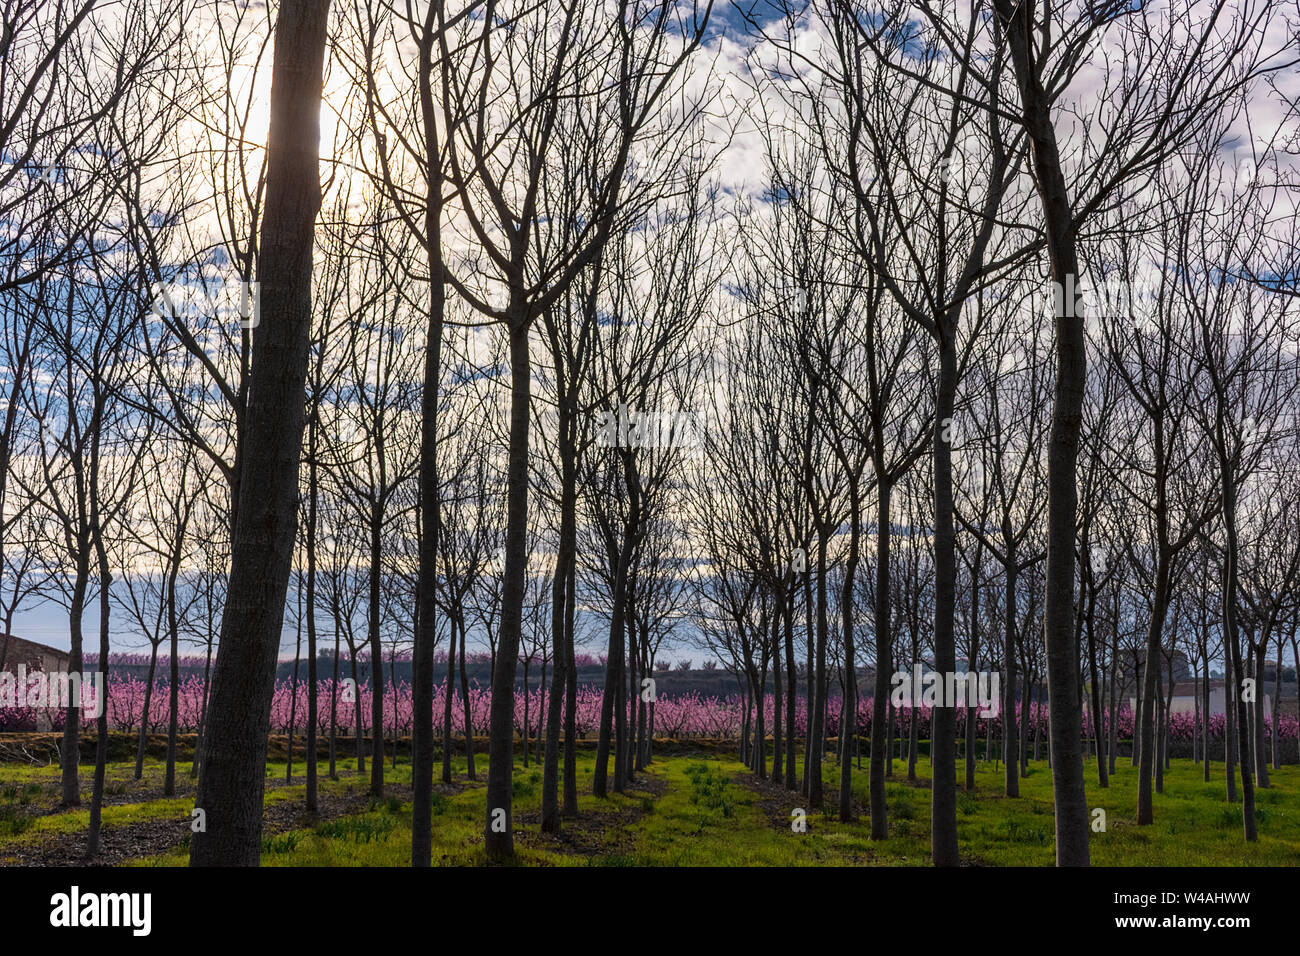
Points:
(1095, 697)
(334, 711)
(1010, 733)
(1257, 712)
(1160, 734)
(570, 698)
(1112, 744)
(1273, 734)
(470, 771)
(430, 514)
(943, 718)
(448, 696)
(880, 700)
(70, 748)
(376, 651)
(356, 713)
(144, 716)
(310, 610)
(1151, 678)
(778, 740)
(849, 707)
(1072, 819)
(1204, 699)
(101, 723)
(527, 741)
(498, 834)
(203, 714)
(293, 695)
(810, 683)
(815, 785)
(1230, 712)
(913, 738)
(1232, 636)
(551, 817)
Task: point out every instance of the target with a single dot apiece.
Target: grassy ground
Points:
(684, 811)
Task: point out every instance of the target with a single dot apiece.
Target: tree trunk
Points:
(1273, 734)
(1151, 677)
(570, 699)
(70, 748)
(144, 716)
(1230, 712)
(1160, 735)
(376, 650)
(1112, 744)
(559, 592)
(203, 715)
(1204, 698)
(334, 710)
(465, 705)
(810, 683)
(101, 723)
(1026, 722)
(1259, 737)
(232, 774)
(293, 696)
(818, 749)
(760, 731)
(499, 841)
(356, 713)
(880, 700)
(849, 707)
(972, 712)
(1232, 636)
(611, 709)
(913, 735)
(426, 633)
(628, 697)
(943, 718)
(1098, 715)
(1010, 733)
(1072, 821)
(173, 695)
(310, 610)
(448, 695)
(778, 741)
(527, 741)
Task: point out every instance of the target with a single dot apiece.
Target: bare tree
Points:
(231, 774)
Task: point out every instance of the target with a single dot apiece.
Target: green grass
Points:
(697, 810)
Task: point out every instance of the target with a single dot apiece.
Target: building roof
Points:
(16, 650)
(1185, 688)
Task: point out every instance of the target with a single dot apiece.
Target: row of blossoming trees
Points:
(675, 717)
